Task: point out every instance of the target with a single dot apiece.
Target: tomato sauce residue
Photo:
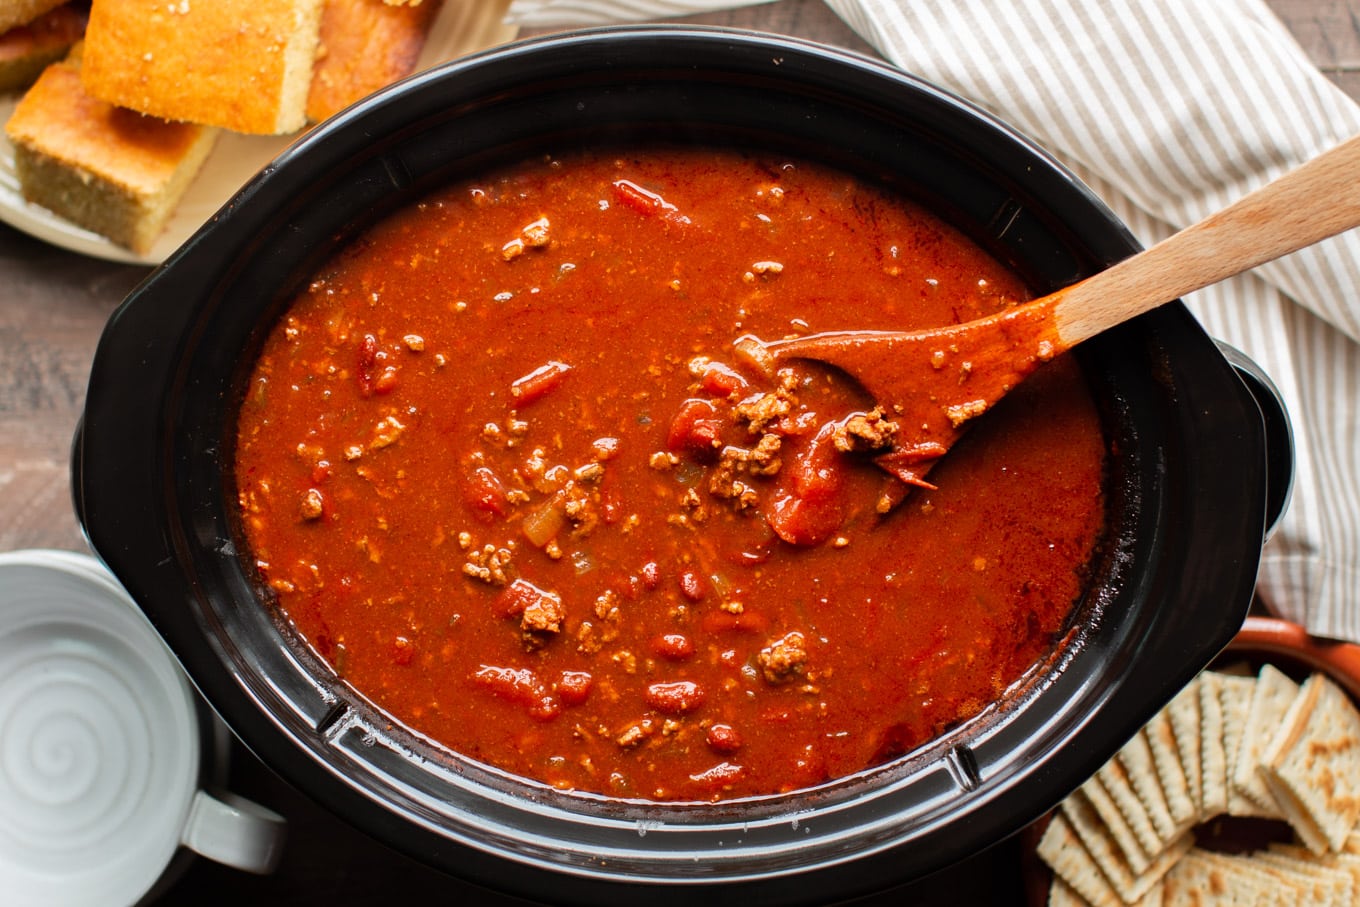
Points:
(503, 468)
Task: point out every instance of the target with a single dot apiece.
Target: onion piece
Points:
(541, 525)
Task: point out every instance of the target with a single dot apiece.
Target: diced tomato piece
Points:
(696, 429)
(651, 575)
(538, 383)
(722, 380)
(485, 493)
(403, 650)
(366, 364)
(510, 683)
(516, 597)
(518, 685)
(574, 687)
(644, 201)
(386, 380)
(808, 501)
(371, 370)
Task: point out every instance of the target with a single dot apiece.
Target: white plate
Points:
(460, 28)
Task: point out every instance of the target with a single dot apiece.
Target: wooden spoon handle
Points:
(1307, 205)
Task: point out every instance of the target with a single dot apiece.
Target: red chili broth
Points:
(513, 362)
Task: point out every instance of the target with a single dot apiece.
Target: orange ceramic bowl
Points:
(1289, 647)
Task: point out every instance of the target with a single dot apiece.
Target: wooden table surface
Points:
(53, 305)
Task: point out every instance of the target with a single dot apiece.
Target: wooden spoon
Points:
(932, 382)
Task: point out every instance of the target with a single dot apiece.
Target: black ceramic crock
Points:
(153, 487)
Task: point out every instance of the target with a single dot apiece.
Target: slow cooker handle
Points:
(1279, 432)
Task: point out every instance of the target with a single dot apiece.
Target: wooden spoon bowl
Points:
(933, 382)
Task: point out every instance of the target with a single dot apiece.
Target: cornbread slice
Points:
(238, 64)
(112, 171)
(25, 50)
(22, 12)
(365, 45)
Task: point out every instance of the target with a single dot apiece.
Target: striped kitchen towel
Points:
(1169, 110)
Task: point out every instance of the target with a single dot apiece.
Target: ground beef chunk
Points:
(760, 411)
(784, 658)
(489, 563)
(734, 461)
(865, 431)
(540, 611)
(543, 615)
